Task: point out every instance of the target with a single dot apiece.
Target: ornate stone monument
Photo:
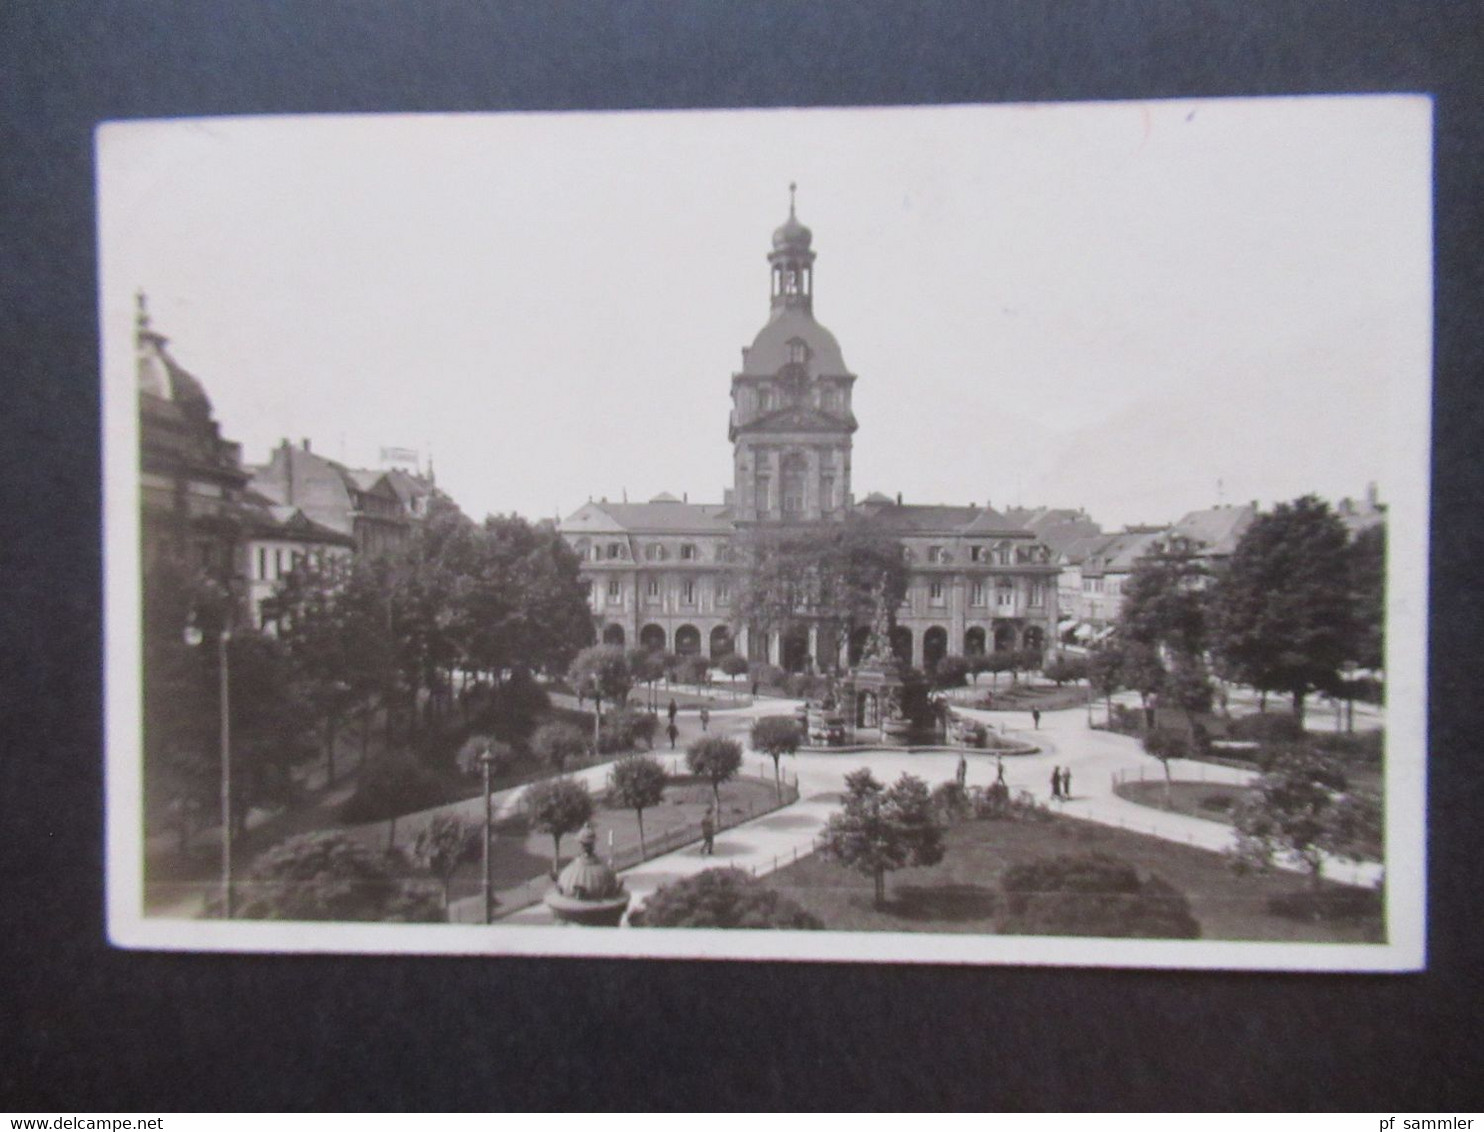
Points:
(588, 892)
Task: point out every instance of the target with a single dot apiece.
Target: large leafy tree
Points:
(883, 829)
(1164, 602)
(637, 783)
(1284, 607)
(721, 898)
(831, 578)
(1368, 589)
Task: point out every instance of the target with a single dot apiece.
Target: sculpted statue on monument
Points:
(878, 644)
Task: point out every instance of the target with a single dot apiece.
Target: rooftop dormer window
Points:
(798, 351)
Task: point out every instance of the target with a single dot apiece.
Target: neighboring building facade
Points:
(277, 538)
(191, 479)
(666, 574)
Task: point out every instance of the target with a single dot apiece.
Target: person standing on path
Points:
(705, 717)
(673, 732)
(1066, 782)
(708, 834)
(1036, 717)
(999, 769)
(1056, 782)
(963, 771)
(673, 708)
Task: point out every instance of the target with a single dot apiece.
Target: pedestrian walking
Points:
(1056, 782)
(708, 834)
(672, 709)
(673, 732)
(1036, 717)
(705, 717)
(1066, 782)
(999, 769)
(963, 771)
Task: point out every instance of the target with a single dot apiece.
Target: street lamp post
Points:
(486, 761)
(194, 636)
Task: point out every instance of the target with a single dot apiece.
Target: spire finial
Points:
(792, 187)
(141, 307)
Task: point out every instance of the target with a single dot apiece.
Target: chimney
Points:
(685, 497)
(305, 442)
(899, 499)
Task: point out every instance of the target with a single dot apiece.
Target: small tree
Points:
(558, 806)
(776, 736)
(1105, 674)
(721, 898)
(1166, 746)
(1067, 669)
(556, 742)
(950, 672)
(637, 783)
(478, 747)
(601, 673)
(1301, 809)
(734, 665)
(881, 829)
(444, 844)
(331, 876)
(717, 760)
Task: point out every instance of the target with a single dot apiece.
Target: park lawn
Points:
(521, 855)
(1024, 696)
(961, 894)
(1214, 801)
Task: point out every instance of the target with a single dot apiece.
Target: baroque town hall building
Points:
(666, 574)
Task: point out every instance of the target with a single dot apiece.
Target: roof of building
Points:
(769, 350)
(669, 517)
(263, 517)
(1217, 529)
(917, 518)
(1118, 553)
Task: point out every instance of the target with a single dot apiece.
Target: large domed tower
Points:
(791, 420)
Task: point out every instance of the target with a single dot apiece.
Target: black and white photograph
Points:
(977, 534)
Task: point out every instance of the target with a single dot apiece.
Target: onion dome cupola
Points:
(793, 262)
(588, 892)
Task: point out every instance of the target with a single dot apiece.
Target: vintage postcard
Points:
(971, 534)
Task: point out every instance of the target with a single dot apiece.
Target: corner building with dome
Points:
(667, 574)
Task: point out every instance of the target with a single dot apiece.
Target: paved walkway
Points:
(1095, 758)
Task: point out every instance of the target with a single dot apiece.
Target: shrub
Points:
(733, 664)
(331, 876)
(768, 675)
(721, 898)
(502, 756)
(950, 672)
(1066, 670)
(389, 787)
(1165, 744)
(950, 802)
(1093, 894)
(1361, 747)
(1268, 727)
(1218, 802)
(622, 730)
(556, 743)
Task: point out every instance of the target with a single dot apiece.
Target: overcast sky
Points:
(1136, 308)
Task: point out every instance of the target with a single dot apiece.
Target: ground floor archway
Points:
(974, 641)
(721, 642)
(934, 646)
(794, 649)
(613, 635)
(1004, 637)
(687, 640)
(901, 644)
(1034, 639)
(652, 638)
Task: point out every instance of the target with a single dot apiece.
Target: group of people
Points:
(673, 730)
(1061, 782)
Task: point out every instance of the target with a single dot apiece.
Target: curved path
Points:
(1095, 758)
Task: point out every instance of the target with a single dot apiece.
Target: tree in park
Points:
(646, 666)
(1368, 595)
(717, 760)
(1067, 670)
(1164, 600)
(637, 783)
(734, 665)
(331, 876)
(721, 898)
(776, 736)
(601, 673)
(1105, 673)
(1093, 894)
(883, 829)
(558, 806)
(1301, 809)
(443, 845)
(1166, 746)
(1141, 669)
(1284, 607)
(556, 743)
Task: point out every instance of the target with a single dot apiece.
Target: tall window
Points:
(723, 593)
(935, 593)
(688, 592)
(1005, 595)
(935, 554)
(262, 562)
(798, 352)
(615, 590)
(652, 589)
(795, 470)
(977, 594)
(976, 554)
(688, 551)
(827, 493)
(654, 552)
(1038, 594)
(763, 492)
